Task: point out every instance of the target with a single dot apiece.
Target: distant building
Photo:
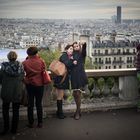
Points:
(114, 57)
(111, 51)
(118, 14)
(114, 52)
(114, 18)
(28, 41)
(75, 37)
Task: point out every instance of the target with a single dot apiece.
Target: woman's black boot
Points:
(59, 112)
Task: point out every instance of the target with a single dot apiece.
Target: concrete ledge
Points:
(85, 107)
(94, 106)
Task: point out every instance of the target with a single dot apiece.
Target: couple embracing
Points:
(74, 59)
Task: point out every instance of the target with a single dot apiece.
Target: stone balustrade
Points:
(103, 94)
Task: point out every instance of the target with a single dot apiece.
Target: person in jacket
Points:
(11, 75)
(34, 66)
(138, 58)
(67, 59)
(78, 76)
(137, 64)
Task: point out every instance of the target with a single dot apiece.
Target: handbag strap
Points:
(64, 77)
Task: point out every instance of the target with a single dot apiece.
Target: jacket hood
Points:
(12, 68)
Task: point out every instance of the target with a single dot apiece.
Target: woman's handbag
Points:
(46, 77)
(58, 68)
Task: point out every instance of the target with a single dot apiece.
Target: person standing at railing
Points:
(33, 66)
(11, 77)
(137, 64)
(67, 59)
(78, 76)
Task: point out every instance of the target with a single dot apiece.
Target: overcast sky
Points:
(66, 9)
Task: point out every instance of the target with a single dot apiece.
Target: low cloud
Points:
(68, 8)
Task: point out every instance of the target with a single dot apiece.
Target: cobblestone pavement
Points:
(121, 124)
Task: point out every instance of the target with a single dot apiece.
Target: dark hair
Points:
(32, 50)
(68, 46)
(74, 43)
(12, 56)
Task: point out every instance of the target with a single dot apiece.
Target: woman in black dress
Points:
(67, 59)
(78, 76)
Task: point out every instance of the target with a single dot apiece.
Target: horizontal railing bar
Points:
(110, 72)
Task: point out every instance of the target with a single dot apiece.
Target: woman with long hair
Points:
(78, 76)
(67, 59)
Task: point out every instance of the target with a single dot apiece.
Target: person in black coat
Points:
(11, 75)
(78, 76)
(137, 64)
(60, 86)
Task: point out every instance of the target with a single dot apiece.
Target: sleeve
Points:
(84, 52)
(1, 73)
(0, 76)
(21, 68)
(68, 62)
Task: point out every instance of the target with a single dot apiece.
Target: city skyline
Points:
(68, 9)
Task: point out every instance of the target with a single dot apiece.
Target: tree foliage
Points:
(48, 56)
(88, 63)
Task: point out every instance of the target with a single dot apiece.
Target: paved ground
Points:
(121, 124)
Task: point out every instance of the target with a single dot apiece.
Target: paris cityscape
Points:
(98, 94)
(104, 36)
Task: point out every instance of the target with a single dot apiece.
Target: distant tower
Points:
(118, 14)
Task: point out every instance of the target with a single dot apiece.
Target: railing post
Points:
(128, 88)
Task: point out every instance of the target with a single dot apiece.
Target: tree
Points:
(88, 63)
(49, 56)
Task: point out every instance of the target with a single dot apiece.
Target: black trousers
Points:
(34, 93)
(15, 117)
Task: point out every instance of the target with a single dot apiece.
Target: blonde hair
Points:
(12, 56)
